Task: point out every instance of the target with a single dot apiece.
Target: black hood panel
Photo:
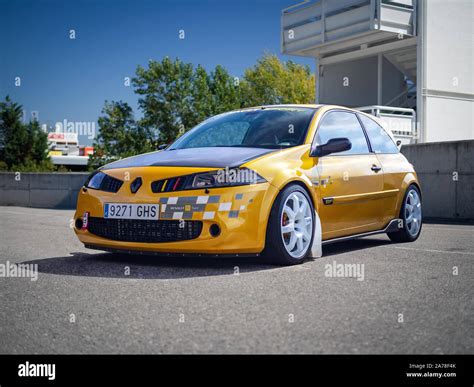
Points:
(211, 157)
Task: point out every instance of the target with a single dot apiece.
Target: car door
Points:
(394, 165)
(350, 182)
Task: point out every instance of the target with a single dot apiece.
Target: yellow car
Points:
(276, 181)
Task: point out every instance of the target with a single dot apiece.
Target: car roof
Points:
(294, 105)
(314, 106)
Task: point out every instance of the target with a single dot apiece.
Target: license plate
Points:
(131, 211)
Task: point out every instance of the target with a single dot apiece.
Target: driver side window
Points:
(339, 124)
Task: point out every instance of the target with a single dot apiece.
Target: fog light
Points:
(79, 223)
(214, 230)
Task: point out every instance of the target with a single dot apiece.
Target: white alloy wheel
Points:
(413, 212)
(296, 224)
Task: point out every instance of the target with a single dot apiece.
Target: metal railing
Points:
(308, 24)
(401, 121)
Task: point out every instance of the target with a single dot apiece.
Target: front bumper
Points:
(240, 212)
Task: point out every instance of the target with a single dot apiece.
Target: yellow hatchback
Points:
(277, 181)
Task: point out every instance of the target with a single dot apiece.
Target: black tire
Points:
(275, 251)
(403, 234)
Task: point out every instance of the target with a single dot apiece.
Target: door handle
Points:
(375, 168)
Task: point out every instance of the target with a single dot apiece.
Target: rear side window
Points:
(380, 141)
(339, 124)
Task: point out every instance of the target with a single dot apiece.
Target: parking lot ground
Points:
(408, 298)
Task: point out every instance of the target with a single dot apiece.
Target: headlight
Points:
(225, 178)
(95, 180)
(103, 182)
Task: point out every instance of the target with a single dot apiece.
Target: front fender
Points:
(289, 166)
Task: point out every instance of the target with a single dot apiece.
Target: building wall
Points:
(448, 119)
(392, 83)
(362, 83)
(447, 70)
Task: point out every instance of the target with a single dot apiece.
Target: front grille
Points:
(147, 231)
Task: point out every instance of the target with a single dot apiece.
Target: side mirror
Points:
(334, 145)
(162, 146)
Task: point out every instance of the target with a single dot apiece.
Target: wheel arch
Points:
(305, 183)
(410, 179)
(316, 248)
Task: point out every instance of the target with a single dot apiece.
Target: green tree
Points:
(166, 97)
(22, 146)
(225, 91)
(175, 96)
(271, 81)
(119, 135)
(37, 144)
(203, 104)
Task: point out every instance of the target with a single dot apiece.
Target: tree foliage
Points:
(22, 146)
(271, 82)
(225, 91)
(119, 135)
(174, 96)
(165, 97)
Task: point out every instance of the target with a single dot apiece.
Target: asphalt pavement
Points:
(411, 298)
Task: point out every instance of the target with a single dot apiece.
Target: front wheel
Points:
(290, 229)
(411, 216)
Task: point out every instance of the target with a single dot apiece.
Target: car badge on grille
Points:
(136, 184)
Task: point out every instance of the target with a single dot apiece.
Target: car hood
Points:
(209, 157)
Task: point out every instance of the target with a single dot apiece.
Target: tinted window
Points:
(343, 124)
(260, 128)
(379, 139)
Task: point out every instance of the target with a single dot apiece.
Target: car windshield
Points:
(255, 128)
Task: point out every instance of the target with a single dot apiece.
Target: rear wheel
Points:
(290, 228)
(411, 216)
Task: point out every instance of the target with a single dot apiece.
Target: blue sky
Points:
(70, 79)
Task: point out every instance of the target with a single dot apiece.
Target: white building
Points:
(408, 61)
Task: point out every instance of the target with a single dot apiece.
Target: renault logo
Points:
(136, 184)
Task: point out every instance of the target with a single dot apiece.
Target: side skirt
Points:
(391, 227)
